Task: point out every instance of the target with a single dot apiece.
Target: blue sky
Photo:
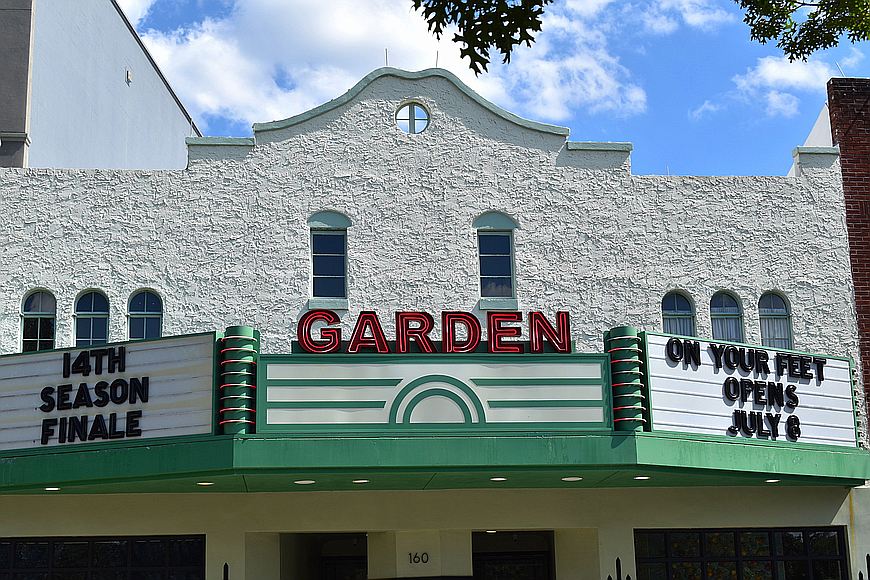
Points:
(679, 79)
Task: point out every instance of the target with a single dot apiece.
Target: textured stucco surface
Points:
(226, 242)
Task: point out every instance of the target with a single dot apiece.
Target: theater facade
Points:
(408, 334)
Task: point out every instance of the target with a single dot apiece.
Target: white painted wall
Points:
(83, 112)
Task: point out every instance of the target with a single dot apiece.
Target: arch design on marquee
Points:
(437, 393)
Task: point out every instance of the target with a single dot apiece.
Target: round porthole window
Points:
(412, 118)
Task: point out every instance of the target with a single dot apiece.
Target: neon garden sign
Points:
(416, 326)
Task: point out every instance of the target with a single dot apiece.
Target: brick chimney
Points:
(849, 106)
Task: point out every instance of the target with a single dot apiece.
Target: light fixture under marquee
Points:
(498, 478)
(572, 478)
(304, 481)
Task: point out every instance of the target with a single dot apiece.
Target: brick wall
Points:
(849, 105)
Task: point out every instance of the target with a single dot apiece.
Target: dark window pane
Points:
(719, 544)
(99, 327)
(495, 244)
(724, 304)
(110, 554)
(328, 243)
(675, 303)
(827, 570)
(69, 576)
(651, 572)
(153, 304)
(496, 287)
(109, 576)
(721, 570)
(46, 344)
(684, 544)
(31, 328)
(147, 553)
(83, 328)
(790, 544)
(648, 545)
(757, 570)
(686, 571)
(329, 287)
(186, 552)
(793, 570)
(31, 303)
(46, 328)
(328, 265)
(137, 303)
(5, 555)
(152, 327)
(824, 543)
(154, 575)
(101, 304)
(29, 345)
(495, 266)
(30, 576)
(71, 554)
(186, 575)
(137, 327)
(31, 554)
(754, 544)
(772, 304)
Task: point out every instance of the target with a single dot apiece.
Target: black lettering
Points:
(46, 395)
(794, 369)
(806, 361)
(83, 397)
(47, 430)
(692, 349)
(118, 391)
(731, 389)
(102, 395)
(746, 388)
(792, 397)
(61, 431)
(759, 421)
(138, 389)
(747, 359)
(117, 361)
(781, 363)
(793, 427)
(98, 429)
(133, 423)
(674, 349)
(773, 421)
(774, 393)
(730, 358)
(97, 354)
(82, 364)
(820, 365)
(63, 392)
(717, 350)
(752, 425)
(78, 427)
(759, 398)
(66, 364)
(761, 362)
(735, 427)
(744, 424)
(113, 427)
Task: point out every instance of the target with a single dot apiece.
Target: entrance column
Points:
(419, 554)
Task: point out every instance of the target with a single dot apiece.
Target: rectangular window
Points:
(496, 264)
(741, 554)
(329, 263)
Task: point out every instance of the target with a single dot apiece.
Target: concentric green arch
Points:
(397, 402)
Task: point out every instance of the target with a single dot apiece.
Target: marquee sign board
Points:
(362, 393)
(141, 389)
(743, 391)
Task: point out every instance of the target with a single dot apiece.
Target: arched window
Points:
(145, 315)
(92, 319)
(726, 317)
(678, 314)
(38, 314)
(328, 254)
(775, 319)
(495, 245)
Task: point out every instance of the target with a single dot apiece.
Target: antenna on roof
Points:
(841, 70)
(386, 58)
(436, 59)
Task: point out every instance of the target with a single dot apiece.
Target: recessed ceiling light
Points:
(498, 478)
(360, 481)
(490, 531)
(771, 481)
(304, 481)
(204, 483)
(52, 489)
(642, 477)
(572, 479)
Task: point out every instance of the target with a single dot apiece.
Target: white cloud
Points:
(271, 59)
(136, 10)
(776, 72)
(706, 108)
(854, 59)
(664, 16)
(781, 104)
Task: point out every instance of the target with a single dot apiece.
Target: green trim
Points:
(494, 220)
(533, 382)
(328, 405)
(598, 146)
(121, 343)
(327, 304)
(466, 412)
(329, 220)
(398, 73)
(543, 403)
(394, 410)
(498, 304)
(233, 141)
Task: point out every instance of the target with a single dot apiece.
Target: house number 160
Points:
(417, 558)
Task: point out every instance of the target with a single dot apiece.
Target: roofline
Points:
(403, 74)
(156, 68)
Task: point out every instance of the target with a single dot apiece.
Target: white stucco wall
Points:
(83, 112)
(226, 241)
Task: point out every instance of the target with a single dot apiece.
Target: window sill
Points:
(498, 304)
(327, 304)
